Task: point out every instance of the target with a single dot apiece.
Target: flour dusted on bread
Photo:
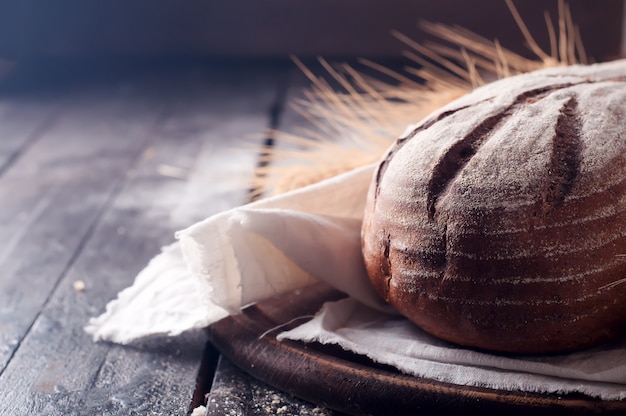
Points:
(499, 221)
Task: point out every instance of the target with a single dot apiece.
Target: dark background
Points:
(118, 29)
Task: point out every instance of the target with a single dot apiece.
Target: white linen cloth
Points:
(245, 255)
(270, 247)
(393, 340)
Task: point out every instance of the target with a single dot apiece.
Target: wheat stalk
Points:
(354, 127)
(372, 113)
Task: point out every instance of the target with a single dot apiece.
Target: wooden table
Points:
(99, 166)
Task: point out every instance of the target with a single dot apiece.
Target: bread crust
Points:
(499, 222)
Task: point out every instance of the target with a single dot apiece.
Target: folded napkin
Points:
(250, 253)
(245, 255)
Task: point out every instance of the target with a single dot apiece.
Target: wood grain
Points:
(23, 119)
(54, 193)
(235, 392)
(107, 184)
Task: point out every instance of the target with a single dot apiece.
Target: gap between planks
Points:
(119, 199)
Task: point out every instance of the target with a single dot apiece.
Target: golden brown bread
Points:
(499, 221)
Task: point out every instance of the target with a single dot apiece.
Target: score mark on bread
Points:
(498, 222)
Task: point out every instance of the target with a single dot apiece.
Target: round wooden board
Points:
(339, 380)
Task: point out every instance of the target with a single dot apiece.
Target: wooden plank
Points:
(53, 194)
(23, 118)
(236, 393)
(57, 369)
(233, 391)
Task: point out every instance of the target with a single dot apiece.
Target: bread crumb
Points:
(79, 285)
(149, 153)
(172, 171)
(199, 411)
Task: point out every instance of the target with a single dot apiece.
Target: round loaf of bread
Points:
(499, 222)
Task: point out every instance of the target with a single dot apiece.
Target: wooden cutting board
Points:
(340, 380)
